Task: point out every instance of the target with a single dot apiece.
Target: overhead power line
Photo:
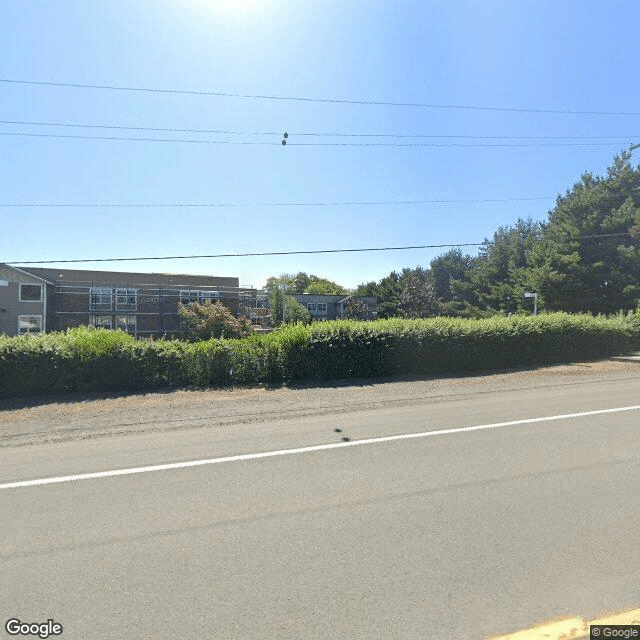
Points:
(130, 139)
(165, 129)
(314, 144)
(226, 94)
(328, 134)
(292, 253)
(270, 204)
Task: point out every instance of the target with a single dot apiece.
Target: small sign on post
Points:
(528, 294)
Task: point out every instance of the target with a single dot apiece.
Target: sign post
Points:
(535, 301)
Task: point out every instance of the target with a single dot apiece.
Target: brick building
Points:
(144, 304)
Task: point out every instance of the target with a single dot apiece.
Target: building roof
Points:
(88, 277)
(11, 267)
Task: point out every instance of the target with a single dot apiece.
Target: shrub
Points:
(211, 320)
(86, 359)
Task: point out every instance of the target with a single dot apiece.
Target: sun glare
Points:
(229, 6)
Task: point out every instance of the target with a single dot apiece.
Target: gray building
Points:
(329, 307)
(25, 301)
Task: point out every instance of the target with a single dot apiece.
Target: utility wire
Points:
(451, 144)
(270, 204)
(308, 134)
(316, 144)
(293, 253)
(129, 139)
(165, 129)
(225, 94)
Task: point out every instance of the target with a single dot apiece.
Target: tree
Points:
(357, 309)
(283, 305)
(575, 272)
(211, 320)
(295, 312)
(387, 292)
(303, 283)
(322, 286)
(451, 275)
(501, 270)
(418, 299)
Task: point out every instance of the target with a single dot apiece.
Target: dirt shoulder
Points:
(60, 418)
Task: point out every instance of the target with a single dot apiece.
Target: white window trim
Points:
(30, 315)
(95, 316)
(100, 306)
(130, 323)
(29, 284)
(126, 293)
(187, 294)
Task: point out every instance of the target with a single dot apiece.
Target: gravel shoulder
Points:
(74, 417)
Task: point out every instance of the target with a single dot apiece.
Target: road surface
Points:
(450, 532)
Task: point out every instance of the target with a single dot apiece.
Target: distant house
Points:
(329, 307)
(144, 304)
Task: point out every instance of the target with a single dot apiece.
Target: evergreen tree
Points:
(576, 273)
(501, 271)
(417, 299)
(387, 291)
(451, 275)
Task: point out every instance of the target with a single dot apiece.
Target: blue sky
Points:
(573, 55)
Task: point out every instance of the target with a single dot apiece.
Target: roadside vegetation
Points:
(86, 359)
(461, 314)
(584, 259)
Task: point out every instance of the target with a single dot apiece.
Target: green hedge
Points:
(86, 359)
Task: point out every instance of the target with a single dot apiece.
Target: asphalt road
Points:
(463, 534)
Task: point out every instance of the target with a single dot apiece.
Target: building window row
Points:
(104, 298)
(189, 296)
(317, 307)
(126, 323)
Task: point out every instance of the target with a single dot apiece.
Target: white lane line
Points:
(287, 452)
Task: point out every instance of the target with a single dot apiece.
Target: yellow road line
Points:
(570, 628)
(627, 617)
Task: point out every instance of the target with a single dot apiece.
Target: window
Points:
(210, 295)
(187, 297)
(126, 323)
(100, 298)
(311, 307)
(322, 307)
(30, 292)
(103, 322)
(126, 298)
(29, 324)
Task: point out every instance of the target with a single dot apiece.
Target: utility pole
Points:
(283, 288)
